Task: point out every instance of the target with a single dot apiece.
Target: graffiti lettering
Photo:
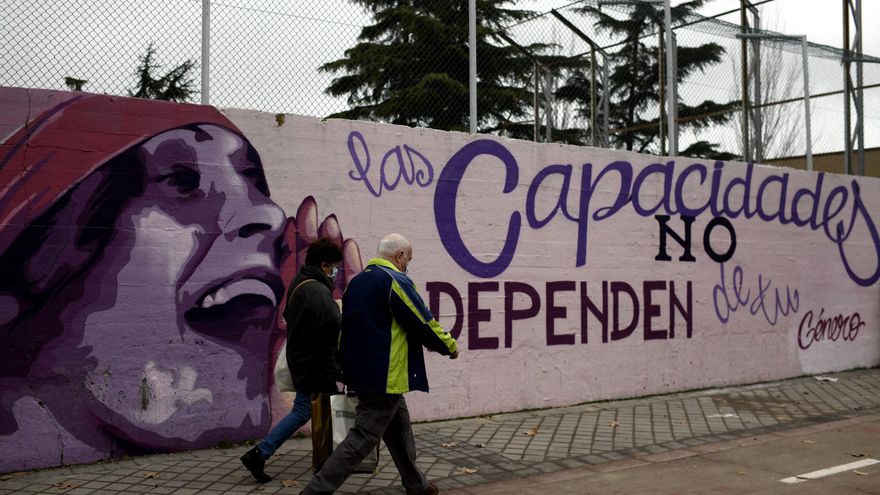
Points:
(830, 329)
(444, 208)
(685, 243)
(838, 213)
(728, 302)
(631, 308)
(416, 169)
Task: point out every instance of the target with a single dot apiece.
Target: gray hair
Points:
(392, 244)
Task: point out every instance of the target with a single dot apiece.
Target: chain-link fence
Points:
(709, 86)
(586, 72)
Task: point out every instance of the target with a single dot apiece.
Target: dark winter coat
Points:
(385, 327)
(313, 322)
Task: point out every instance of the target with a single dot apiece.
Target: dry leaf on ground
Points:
(65, 485)
(532, 432)
(467, 470)
(858, 454)
(289, 483)
(152, 475)
(449, 445)
(614, 424)
(811, 442)
(860, 473)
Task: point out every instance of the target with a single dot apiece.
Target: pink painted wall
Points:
(792, 297)
(541, 258)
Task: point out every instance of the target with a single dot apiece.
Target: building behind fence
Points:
(265, 55)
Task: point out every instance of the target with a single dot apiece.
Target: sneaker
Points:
(431, 489)
(254, 462)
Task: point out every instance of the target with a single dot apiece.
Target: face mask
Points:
(334, 272)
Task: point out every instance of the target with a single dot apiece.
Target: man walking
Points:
(385, 323)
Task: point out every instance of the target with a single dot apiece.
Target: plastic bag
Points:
(283, 379)
(343, 408)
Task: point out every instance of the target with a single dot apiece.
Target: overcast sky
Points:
(820, 20)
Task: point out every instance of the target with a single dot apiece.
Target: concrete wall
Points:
(568, 274)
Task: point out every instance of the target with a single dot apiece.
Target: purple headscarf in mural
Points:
(140, 253)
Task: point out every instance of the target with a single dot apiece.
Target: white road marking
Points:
(829, 471)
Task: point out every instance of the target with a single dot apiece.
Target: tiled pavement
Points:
(474, 451)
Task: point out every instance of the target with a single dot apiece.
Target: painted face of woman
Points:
(179, 336)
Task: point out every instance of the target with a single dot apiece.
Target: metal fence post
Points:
(537, 107)
(757, 118)
(472, 58)
(806, 70)
(606, 109)
(206, 51)
(671, 129)
(744, 26)
(662, 97)
(594, 121)
(593, 89)
(548, 101)
(807, 103)
(860, 94)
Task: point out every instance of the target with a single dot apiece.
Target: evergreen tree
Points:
(634, 77)
(176, 85)
(74, 83)
(410, 67)
(576, 89)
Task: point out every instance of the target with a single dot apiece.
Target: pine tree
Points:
(634, 82)
(74, 83)
(176, 85)
(410, 67)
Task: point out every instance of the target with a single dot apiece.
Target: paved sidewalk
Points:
(493, 450)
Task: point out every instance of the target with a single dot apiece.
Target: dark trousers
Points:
(384, 417)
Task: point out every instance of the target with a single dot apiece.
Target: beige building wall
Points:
(831, 162)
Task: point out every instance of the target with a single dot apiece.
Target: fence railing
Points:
(589, 72)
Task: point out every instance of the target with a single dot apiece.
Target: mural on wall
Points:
(836, 215)
(143, 262)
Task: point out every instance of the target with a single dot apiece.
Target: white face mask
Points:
(334, 271)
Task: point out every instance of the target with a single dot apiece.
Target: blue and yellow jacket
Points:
(385, 323)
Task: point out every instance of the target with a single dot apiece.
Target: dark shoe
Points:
(254, 462)
(431, 489)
